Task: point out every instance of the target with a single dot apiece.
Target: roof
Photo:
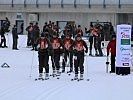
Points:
(66, 1)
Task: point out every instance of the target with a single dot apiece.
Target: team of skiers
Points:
(67, 47)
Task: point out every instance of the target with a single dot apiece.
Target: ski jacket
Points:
(44, 46)
(57, 45)
(111, 47)
(68, 44)
(79, 47)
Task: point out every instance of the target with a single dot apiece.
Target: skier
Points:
(35, 35)
(57, 45)
(95, 35)
(43, 45)
(3, 38)
(90, 31)
(7, 25)
(68, 52)
(112, 46)
(79, 50)
(99, 39)
(15, 37)
(79, 31)
(29, 29)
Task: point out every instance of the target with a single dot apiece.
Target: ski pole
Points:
(107, 64)
(87, 68)
(31, 64)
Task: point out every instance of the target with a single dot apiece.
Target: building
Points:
(80, 11)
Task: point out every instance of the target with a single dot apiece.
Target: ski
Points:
(69, 73)
(79, 80)
(36, 79)
(53, 75)
(83, 80)
(97, 56)
(74, 79)
(56, 76)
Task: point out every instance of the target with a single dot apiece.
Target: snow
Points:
(17, 82)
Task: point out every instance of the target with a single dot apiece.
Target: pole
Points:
(107, 64)
(31, 64)
(87, 68)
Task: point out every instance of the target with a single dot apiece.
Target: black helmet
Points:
(113, 36)
(67, 34)
(78, 35)
(55, 33)
(42, 35)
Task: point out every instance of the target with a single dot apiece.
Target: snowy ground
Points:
(17, 82)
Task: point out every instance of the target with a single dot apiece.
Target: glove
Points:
(86, 51)
(85, 29)
(38, 46)
(75, 57)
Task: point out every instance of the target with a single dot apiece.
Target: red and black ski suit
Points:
(111, 47)
(68, 52)
(56, 46)
(44, 47)
(79, 55)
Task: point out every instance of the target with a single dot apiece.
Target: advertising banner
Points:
(123, 46)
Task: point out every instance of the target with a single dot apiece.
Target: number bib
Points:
(55, 44)
(79, 46)
(67, 44)
(43, 44)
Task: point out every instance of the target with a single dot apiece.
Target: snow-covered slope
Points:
(17, 82)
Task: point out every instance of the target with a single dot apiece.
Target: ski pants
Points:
(78, 63)
(56, 61)
(3, 40)
(29, 39)
(91, 43)
(68, 55)
(112, 63)
(15, 42)
(43, 62)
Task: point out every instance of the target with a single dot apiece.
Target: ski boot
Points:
(63, 70)
(69, 72)
(76, 77)
(46, 76)
(81, 77)
(90, 54)
(40, 77)
(53, 74)
(58, 73)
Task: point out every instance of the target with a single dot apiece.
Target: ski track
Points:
(44, 95)
(13, 90)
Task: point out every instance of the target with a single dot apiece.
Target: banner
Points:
(123, 46)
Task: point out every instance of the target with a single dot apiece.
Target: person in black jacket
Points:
(43, 45)
(29, 29)
(35, 35)
(3, 38)
(15, 37)
(79, 54)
